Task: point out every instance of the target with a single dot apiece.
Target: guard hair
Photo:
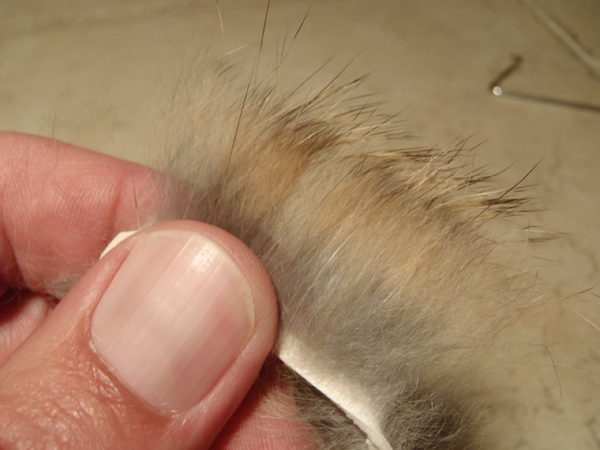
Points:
(385, 259)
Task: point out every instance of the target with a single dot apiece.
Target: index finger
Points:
(61, 205)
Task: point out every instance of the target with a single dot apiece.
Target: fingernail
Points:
(174, 318)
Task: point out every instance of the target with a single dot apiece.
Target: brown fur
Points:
(384, 257)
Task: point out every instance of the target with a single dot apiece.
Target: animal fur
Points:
(383, 256)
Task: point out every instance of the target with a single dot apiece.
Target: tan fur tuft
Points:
(381, 255)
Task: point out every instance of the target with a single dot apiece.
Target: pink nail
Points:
(174, 318)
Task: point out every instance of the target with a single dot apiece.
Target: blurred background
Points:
(96, 74)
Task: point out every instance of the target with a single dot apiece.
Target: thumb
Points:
(155, 347)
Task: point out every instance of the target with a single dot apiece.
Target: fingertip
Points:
(168, 332)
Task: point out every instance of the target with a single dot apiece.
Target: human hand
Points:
(157, 344)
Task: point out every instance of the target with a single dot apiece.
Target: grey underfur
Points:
(383, 257)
